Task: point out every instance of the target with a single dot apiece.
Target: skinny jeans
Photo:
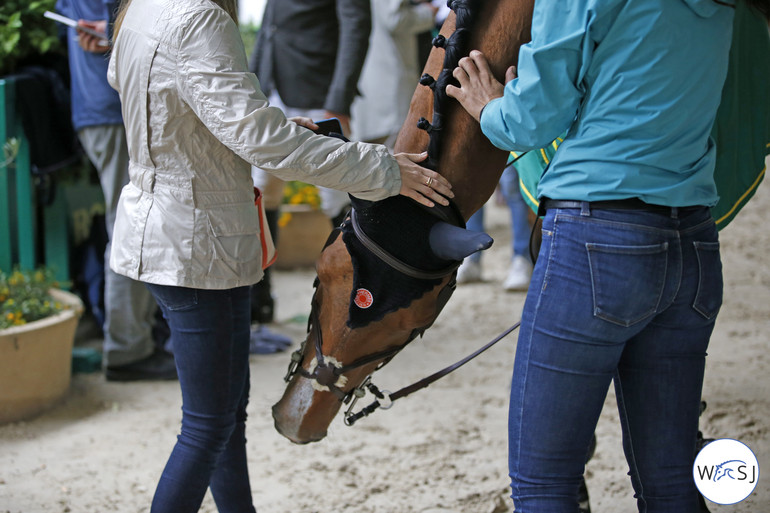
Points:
(210, 333)
(629, 296)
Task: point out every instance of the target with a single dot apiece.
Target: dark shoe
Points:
(264, 341)
(585, 506)
(159, 366)
(262, 302)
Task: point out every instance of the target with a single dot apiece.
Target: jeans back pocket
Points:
(627, 281)
(708, 298)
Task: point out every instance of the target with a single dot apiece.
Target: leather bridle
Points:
(327, 372)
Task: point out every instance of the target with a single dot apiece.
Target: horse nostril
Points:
(325, 375)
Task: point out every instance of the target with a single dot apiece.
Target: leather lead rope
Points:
(419, 385)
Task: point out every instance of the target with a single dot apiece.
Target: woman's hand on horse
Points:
(478, 86)
(422, 184)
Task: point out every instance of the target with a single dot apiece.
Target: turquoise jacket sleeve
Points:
(544, 100)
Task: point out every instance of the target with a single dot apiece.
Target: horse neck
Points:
(467, 158)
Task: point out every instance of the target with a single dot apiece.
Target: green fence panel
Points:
(18, 210)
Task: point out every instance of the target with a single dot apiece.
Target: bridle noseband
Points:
(327, 373)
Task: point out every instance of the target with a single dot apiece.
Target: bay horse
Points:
(347, 340)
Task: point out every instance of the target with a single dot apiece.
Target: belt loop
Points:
(585, 208)
(674, 212)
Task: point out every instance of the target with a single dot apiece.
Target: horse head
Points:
(386, 272)
(379, 286)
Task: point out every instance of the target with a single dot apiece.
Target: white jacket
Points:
(195, 120)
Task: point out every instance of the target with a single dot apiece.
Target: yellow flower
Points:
(283, 221)
(9, 317)
(10, 302)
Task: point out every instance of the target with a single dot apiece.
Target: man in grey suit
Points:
(308, 57)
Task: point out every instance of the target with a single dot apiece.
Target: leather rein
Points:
(328, 373)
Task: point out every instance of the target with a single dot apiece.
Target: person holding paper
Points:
(129, 351)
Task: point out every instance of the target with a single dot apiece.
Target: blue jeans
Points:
(621, 295)
(210, 333)
(520, 228)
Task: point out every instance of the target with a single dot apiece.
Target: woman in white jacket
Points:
(186, 225)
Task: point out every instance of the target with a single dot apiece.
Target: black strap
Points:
(621, 204)
(394, 262)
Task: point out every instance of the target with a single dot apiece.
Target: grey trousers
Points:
(129, 306)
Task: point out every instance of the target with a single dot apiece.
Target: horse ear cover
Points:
(451, 242)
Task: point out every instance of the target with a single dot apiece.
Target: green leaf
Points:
(10, 44)
(14, 21)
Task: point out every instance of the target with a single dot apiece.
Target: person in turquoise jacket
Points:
(628, 280)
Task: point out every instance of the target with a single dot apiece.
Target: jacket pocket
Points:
(627, 281)
(235, 233)
(708, 298)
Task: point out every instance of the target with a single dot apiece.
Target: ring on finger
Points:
(429, 181)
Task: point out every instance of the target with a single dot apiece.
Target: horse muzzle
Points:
(303, 414)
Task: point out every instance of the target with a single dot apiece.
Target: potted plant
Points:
(303, 226)
(37, 332)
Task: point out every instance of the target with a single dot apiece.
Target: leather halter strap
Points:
(325, 373)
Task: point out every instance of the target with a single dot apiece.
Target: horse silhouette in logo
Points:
(727, 468)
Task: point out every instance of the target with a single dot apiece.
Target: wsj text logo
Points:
(726, 471)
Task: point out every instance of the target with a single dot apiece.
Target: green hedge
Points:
(24, 33)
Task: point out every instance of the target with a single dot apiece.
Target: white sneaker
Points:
(519, 274)
(469, 271)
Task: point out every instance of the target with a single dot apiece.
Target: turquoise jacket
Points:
(634, 83)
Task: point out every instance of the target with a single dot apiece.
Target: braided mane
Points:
(455, 47)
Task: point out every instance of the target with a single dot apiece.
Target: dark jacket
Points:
(312, 51)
